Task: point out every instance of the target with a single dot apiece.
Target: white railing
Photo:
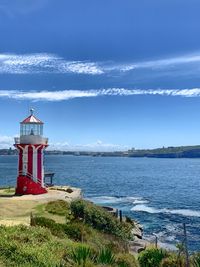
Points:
(31, 139)
(17, 140)
(30, 176)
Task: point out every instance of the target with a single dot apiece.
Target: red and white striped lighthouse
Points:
(31, 145)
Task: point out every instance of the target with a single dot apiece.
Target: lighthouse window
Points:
(31, 129)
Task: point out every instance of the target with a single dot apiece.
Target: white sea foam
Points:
(116, 199)
(140, 201)
(167, 246)
(183, 212)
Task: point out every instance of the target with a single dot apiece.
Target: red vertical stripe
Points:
(39, 164)
(30, 159)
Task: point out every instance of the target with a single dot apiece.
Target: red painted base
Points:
(26, 186)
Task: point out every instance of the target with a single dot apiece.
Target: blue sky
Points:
(102, 74)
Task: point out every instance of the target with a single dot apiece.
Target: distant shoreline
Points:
(164, 152)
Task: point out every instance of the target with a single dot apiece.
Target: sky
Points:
(103, 75)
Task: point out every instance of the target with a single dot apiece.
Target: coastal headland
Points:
(17, 209)
(163, 152)
(53, 228)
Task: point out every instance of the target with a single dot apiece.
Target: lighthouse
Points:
(30, 146)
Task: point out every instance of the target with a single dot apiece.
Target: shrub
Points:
(59, 207)
(73, 230)
(169, 262)
(129, 220)
(151, 257)
(78, 208)
(196, 260)
(106, 257)
(100, 219)
(30, 247)
(81, 255)
(55, 228)
(126, 260)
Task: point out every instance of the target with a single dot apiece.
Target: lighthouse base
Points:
(26, 186)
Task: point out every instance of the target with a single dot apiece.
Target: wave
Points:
(183, 212)
(140, 201)
(117, 199)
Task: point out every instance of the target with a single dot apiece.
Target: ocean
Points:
(160, 193)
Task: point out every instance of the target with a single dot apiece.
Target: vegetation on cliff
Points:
(90, 236)
(167, 152)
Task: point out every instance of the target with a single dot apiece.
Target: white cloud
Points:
(46, 63)
(160, 63)
(70, 94)
(6, 141)
(95, 146)
(80, 67)
(50, 63)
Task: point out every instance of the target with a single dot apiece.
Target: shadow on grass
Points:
(7, 196)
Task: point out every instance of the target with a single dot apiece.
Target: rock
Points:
(69, 190)
(137, 246)
(137, 230)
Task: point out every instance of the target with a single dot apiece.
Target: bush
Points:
(130, 220)
(78, 208)
(100, 219)
(126, 260)
(196, 260)
(30, 247)
(106, 257)
(151, 257)
(82, 255)
(55, 228)
(74, 230)
(59, 207)
(169, 262)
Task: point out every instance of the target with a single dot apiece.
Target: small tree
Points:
(151, 257)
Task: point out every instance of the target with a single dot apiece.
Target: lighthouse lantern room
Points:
(30, 146)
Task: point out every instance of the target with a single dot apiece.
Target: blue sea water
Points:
(160, 193)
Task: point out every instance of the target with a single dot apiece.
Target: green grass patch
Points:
(25, 246)
(59, 207)
(7, 191)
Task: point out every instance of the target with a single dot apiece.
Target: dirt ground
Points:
(17, 209)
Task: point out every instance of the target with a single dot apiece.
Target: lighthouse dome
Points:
(32, 119)
(31, 126)
(31, 131)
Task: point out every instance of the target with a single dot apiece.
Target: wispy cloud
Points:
(50, 63)
(70, 94)
(94, 146)
(6, 141)
(161, 63)
(45, 63)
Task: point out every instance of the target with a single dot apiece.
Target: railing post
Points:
(120, 215)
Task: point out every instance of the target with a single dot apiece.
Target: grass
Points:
(58, 207)
(58, 239)
(7, 191)
(17, 211)
(40, 247)
(25, 246)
